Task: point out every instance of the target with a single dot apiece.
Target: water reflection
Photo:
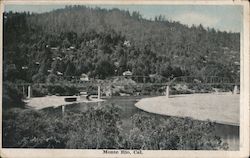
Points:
(228, 134)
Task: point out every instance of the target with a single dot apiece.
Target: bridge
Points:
(137, 81)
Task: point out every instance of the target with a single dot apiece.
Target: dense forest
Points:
(103, 43)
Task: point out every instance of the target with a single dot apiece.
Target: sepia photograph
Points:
(123, 79)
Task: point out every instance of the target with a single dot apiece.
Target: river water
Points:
(228, 133)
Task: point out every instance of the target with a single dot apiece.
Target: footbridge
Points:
(137, 81)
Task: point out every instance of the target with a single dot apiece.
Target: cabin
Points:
(116, 64)
(59, 73)
(127, 43)
(153, 75)
(24, 67)
(54, 48)
(59, 58)
(72, 47)
(84, 77)
(237, 63)
(127, 73)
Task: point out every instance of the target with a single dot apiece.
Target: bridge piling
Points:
(23, 88)
(29, 92)
(167, 91)
(235, 91)
(99, 92)
(63, 109)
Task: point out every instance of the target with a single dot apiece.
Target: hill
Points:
(102, 43)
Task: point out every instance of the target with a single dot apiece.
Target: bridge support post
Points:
(99, 92)
(24, 91)
(63, 109)
(235, 89)
(167, 91)
(110, 90)
(29, 92)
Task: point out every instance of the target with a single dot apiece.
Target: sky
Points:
(220, 17)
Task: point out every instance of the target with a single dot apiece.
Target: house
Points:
(54, 48)
(237, 63)
(50, 71)
(127, 43)
(24, 67)
(197, 81)
(116, 64)
(59, 73)
(127, 73)
(59, 58)
(175, 56)
(153, 75)
(71, 47)
(84, 77)
(225, 48)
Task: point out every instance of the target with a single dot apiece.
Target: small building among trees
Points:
(127, 73)
(84, 77)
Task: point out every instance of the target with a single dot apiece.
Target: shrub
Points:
(39, 91)
(39, 78)
(96, 129)
(100, 128)
(62, 90)
(151, 133)
(12, 97)
(93, 129)
(52, 78)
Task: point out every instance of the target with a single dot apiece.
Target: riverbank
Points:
(56, 101)
(221, 108)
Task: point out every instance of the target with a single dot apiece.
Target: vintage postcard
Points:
(124, 79)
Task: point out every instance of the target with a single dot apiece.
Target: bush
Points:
(62, 90)
(152, 133)
(100, 128)
(93, 129)
(39, 78)
(52, 78)
(39, 91)
(12, 97)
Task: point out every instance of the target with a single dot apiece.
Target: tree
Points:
(70, 69)
(104, 69)
(39, 78)
(52, 78)
(166, 71)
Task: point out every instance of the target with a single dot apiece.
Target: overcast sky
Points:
(220, 17)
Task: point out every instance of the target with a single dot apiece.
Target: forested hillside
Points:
(103, 43)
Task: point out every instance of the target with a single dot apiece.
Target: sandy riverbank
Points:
(55, 101)
(221, 108)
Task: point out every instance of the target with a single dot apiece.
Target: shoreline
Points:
(56, 101)
(219, 108)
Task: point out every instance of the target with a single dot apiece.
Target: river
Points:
(228, 133)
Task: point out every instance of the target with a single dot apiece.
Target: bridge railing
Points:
(209, 80)
(141, 82)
